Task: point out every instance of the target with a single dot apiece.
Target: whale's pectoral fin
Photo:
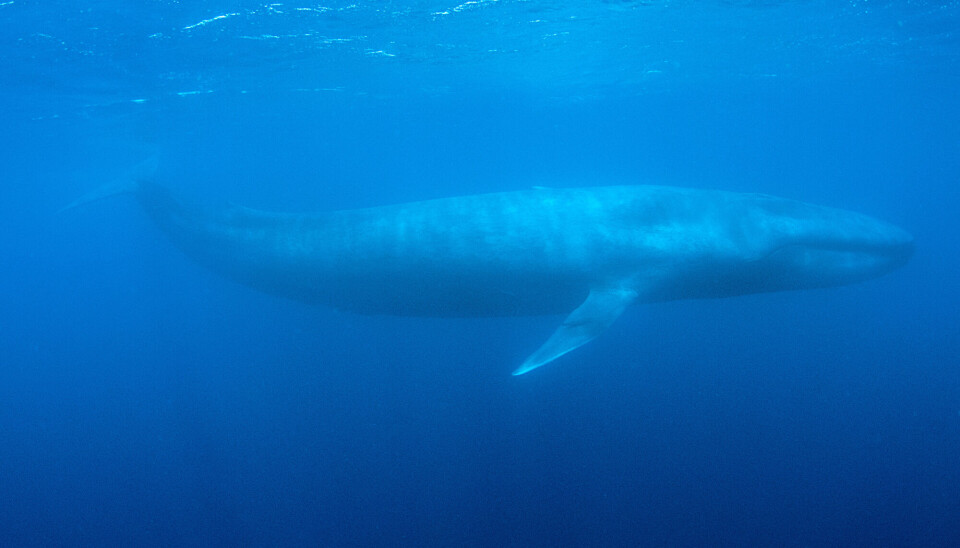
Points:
(591, 318)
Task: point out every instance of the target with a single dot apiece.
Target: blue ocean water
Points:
(146, 401)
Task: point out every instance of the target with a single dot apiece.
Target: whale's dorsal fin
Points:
(602, 307)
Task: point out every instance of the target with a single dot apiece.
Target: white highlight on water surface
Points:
(211, 20)
(469, 4)
(318, 89)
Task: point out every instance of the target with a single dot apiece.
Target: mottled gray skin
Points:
(540, 251)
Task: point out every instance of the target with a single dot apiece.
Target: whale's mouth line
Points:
(879, 250)
(898, 252)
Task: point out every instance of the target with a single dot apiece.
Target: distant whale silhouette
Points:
(589, 252)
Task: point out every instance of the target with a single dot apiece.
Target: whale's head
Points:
(798, 245)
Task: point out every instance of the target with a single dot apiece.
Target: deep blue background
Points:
(145, 401)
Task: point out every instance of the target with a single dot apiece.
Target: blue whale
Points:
(585, 252)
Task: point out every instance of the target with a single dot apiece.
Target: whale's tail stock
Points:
(129, 182)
